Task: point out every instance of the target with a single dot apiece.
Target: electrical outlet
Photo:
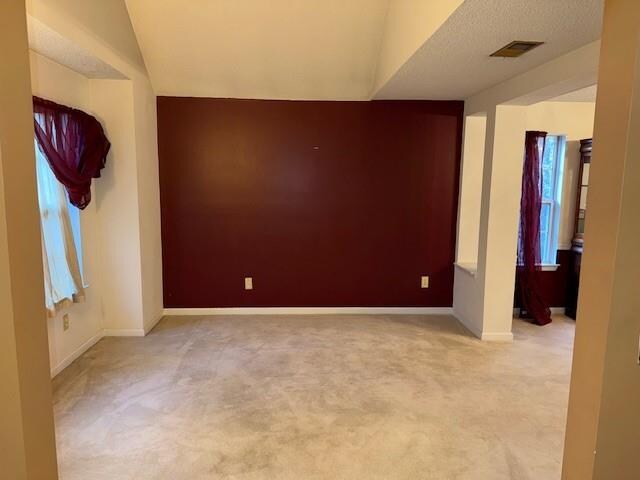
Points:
(65, 322)
(424, 282)
(248, 283)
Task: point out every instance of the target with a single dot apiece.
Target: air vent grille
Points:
(516, 49)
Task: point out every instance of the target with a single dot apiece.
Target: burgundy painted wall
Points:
(322, 203)
(553, 284)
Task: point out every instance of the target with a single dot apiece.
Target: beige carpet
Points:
(327, 397)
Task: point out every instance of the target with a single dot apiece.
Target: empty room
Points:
(303, 239)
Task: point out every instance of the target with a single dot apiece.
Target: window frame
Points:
(555, 212)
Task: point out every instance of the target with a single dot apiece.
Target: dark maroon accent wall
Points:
(553, 284)
(322, 203)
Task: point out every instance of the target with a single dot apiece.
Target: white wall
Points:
(408, 25)
(117, 203)
(146, 132)
(126, 198)
(475, 129)
(54, 82)
(120, 227)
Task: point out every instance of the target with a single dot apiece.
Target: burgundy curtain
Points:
(528, 271)
(74, 144)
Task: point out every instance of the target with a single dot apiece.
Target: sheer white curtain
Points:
(62, 274)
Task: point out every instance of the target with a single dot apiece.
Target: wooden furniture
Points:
(578, 236)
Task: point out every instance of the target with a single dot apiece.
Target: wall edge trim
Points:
(76, 354)
(497, 337)
(309, 311)
(484, 336)
(117, 332)
(123, 332)
(152, 325)
(554, 311)
(467, 324)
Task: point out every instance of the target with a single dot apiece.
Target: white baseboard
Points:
(79, 351)
(118, 332)
(497, 337)
(310, 311)
(468, 325)
(124, 332)
(554, 311)
(484, 336)
(151, 326)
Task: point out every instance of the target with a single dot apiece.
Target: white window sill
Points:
(472, 268)
(548, 267)
(469, 268)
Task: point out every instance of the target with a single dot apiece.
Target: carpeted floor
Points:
(326, 397)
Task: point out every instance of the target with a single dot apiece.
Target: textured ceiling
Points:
(330, 49)
(52, 45)
(583, 95)
(281, 49)
(454, 63)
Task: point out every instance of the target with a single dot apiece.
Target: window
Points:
(61, 242)
(552, 168)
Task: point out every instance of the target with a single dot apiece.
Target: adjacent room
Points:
(250, 239)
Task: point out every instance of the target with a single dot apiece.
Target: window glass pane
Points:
(49, 197)
(547, 167)
(47, 184)
(56, 216)
(545, 222)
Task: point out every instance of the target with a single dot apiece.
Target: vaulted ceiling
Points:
(349, 49)
(286, 49)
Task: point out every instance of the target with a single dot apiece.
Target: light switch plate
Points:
(248, 283)
(424, 282)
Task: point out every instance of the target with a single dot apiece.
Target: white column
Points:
(603, 425)
(483, 300)
(27, 442)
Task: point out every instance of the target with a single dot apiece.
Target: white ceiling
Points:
(583, 95)
(454, 63)
(54, 46)
(329, 49)
(281, 49)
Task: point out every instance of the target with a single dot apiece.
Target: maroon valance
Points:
(74, 144)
